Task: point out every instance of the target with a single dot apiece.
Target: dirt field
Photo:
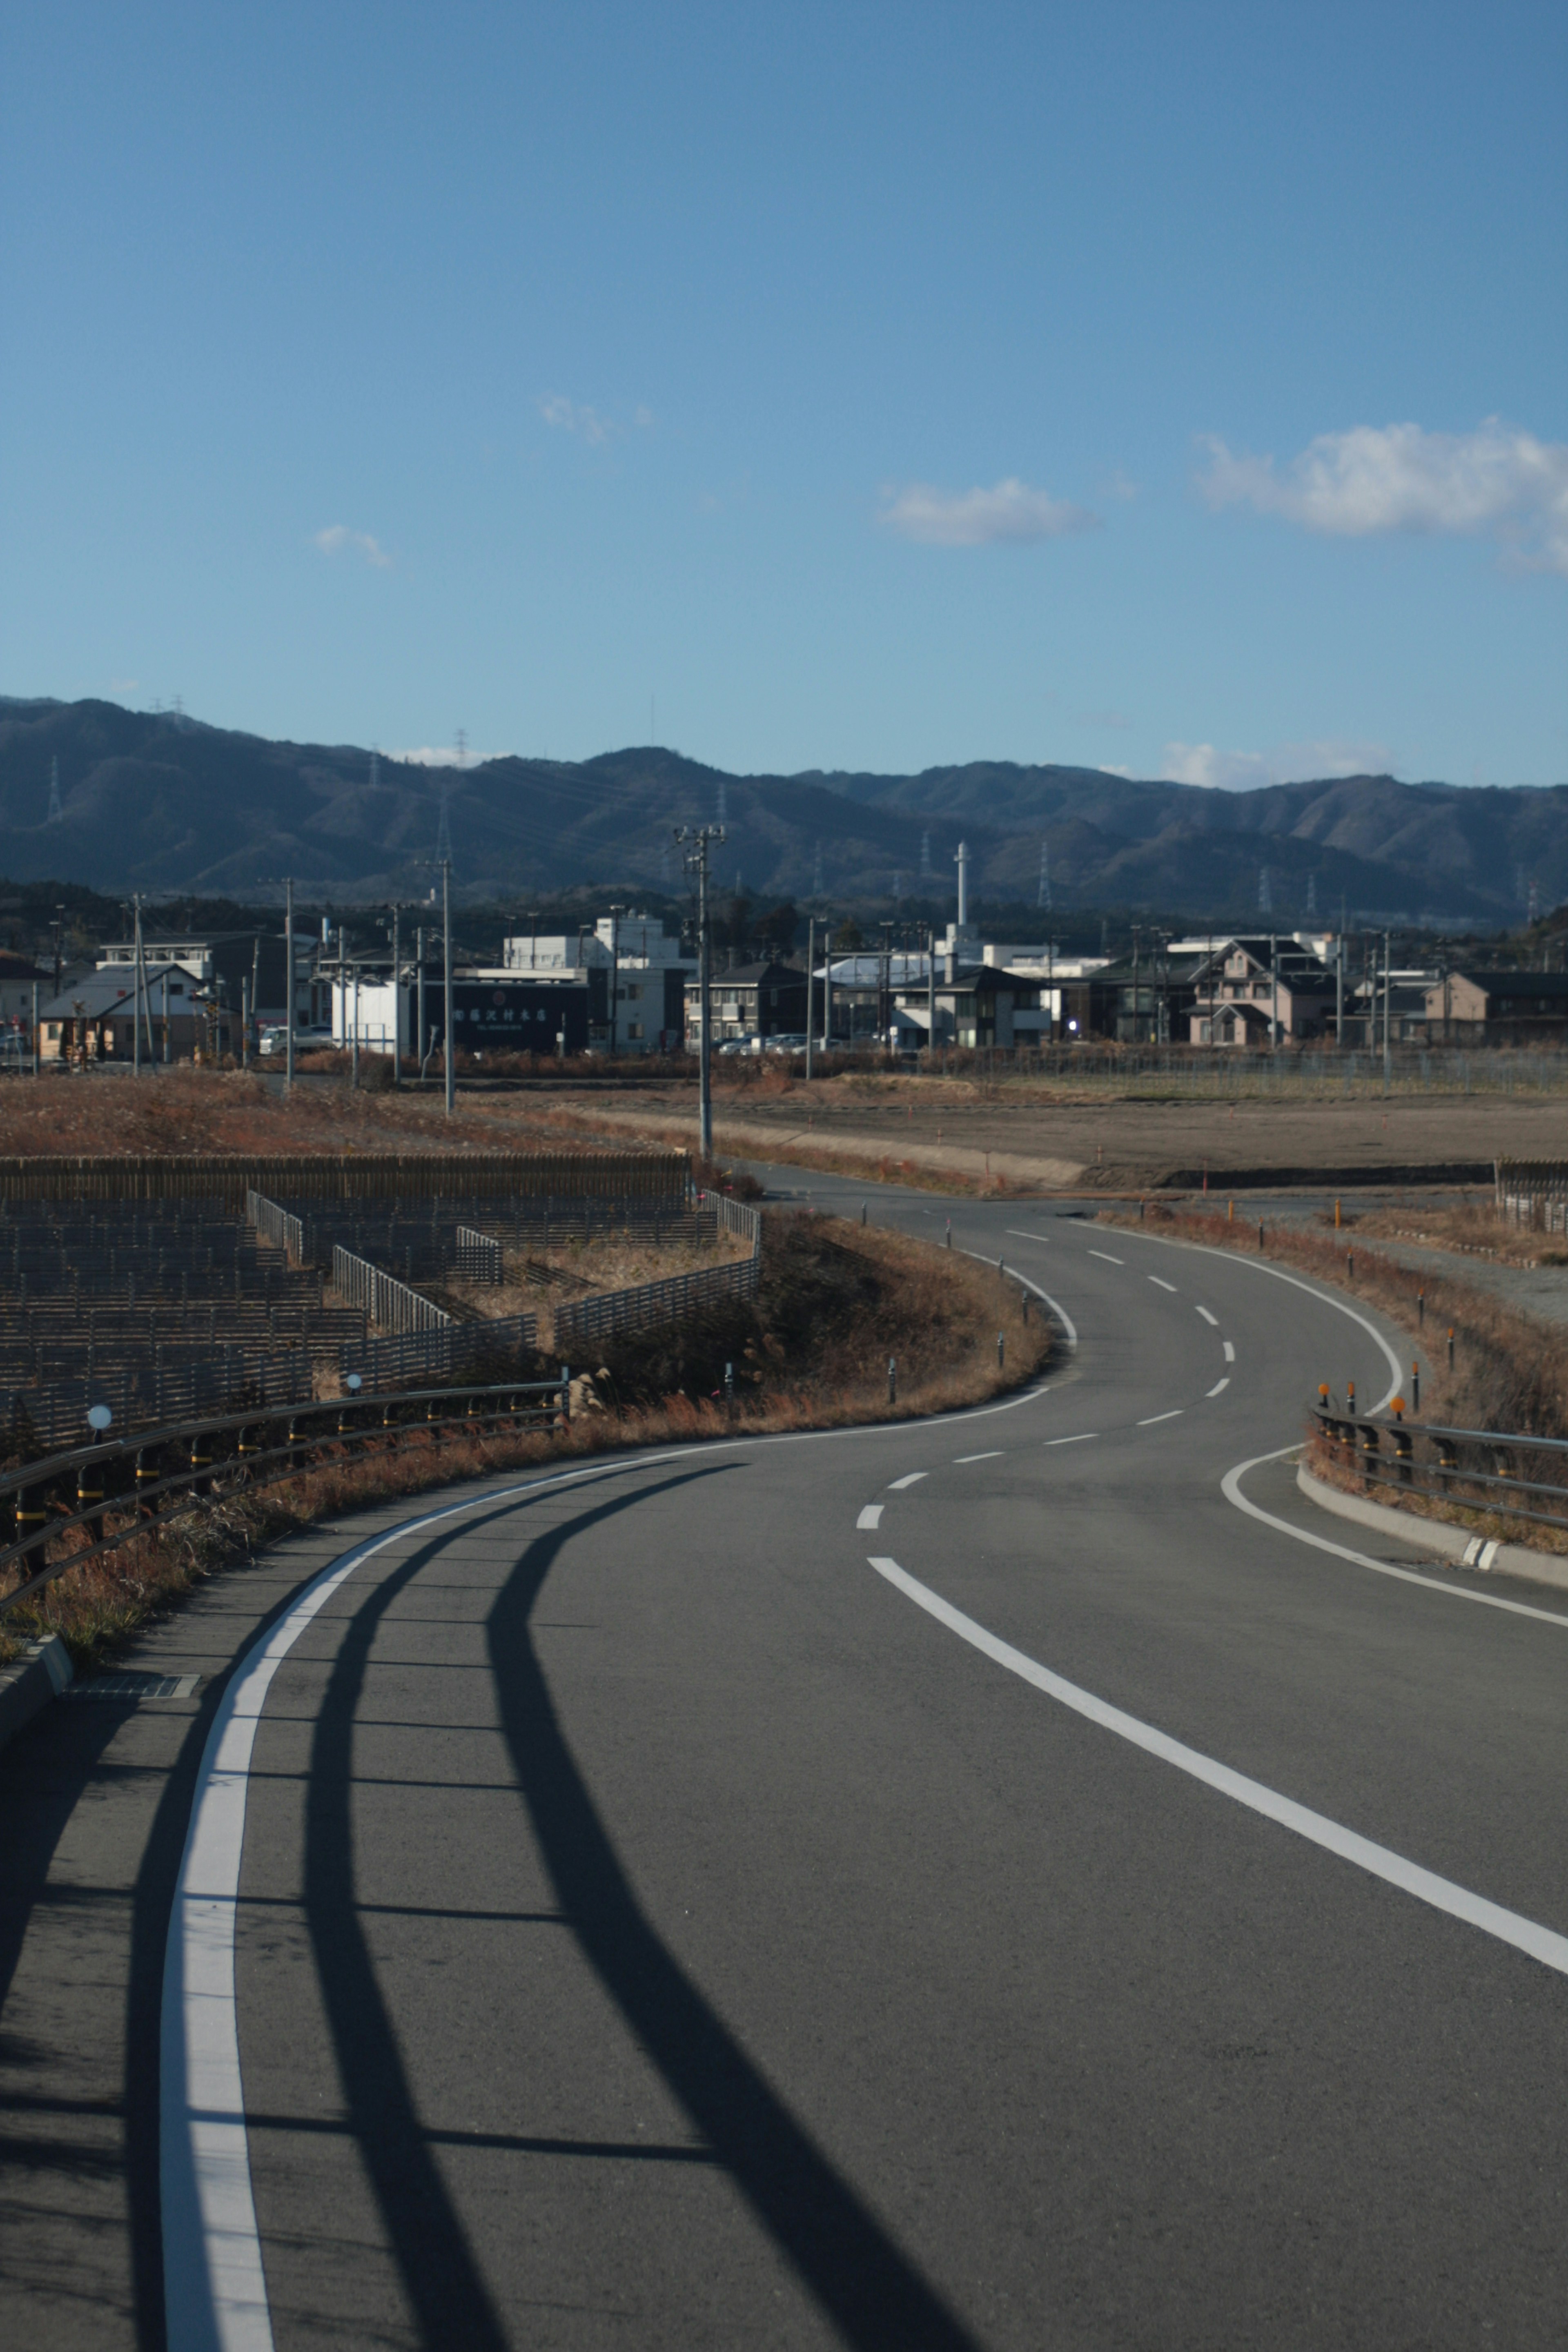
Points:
(1118, 1146)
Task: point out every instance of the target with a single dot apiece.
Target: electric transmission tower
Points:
(816, 874)
(723, 802)
(1265, 893)
(1045, 897)
(925, 856)
(57, 806)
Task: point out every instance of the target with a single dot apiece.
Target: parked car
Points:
(792, 1041)
(276, 1040)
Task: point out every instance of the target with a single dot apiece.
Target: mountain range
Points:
(125, 800)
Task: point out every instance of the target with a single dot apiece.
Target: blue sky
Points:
(1180, 389)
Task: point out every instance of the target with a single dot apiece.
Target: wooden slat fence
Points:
(662, 1176)
(390, 1304)
(679, 1295)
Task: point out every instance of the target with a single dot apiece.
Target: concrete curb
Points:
(1449, 1543)
(30, 1682)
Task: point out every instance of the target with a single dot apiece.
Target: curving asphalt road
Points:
(979, 1883)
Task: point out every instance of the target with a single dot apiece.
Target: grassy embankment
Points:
(809, 1352)
(1510, 1372)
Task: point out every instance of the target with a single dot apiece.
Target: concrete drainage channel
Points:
(43, 1672)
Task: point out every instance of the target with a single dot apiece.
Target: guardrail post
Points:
(1370, 1446)
(566, 1394)
(1001, 1351)
(88, 1492)
(892, 1380)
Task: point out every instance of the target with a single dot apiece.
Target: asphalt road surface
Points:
(1018, 1880)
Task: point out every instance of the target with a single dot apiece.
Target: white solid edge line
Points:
(1219, 1387)
(1527, 1936)
(871, 1516)
(995, 1456)
(1081, 1439)
(1230, 1487)
(1174, 1414)
(1208, 1317)
(213, 2278)
(1059, 1311)
(1162, 1282)
(910, 1478)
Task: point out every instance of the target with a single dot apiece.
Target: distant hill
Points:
(165, 804)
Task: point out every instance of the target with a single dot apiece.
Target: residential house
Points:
(750, 1000)
(1475, 1008)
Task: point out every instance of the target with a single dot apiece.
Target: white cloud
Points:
(572, 416)
(339, 538)
(1397, 478)
(1289, 763)
(643, 418)
(978, 518)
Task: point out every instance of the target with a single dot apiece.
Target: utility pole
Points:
(37, 1057)
(447, 928)
(702, 837)
(288, 985)
(810, 989)
(1339, 994)
(396, 1007)
(141, 993)
(1387, 1002)
(1274, 1007)
(827, 984)
(930, 997)
(419, 1046)
(1137, 991)
(615, 914)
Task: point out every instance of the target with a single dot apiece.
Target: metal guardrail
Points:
(1532, 1193)
(127, 1476)
(1385, 1453)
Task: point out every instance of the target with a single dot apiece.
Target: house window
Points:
(634, 1029)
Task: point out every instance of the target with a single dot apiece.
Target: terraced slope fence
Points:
(1476, 1473)
(1532, 1193)
(654, 1179)
(61, 1512)
(646, 1303)
(153, 1309)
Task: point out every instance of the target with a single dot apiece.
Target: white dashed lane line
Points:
(994, 1455)
(912, 1478)
(1081, 1439)
(1220, 1386)
(871, 1516)
(1229, 1353)
(1163, 1285)
(1208, 1317)
(1153, 1417)
(1107, 1256)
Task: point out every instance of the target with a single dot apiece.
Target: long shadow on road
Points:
(877, 2299)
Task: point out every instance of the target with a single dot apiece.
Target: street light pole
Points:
(703, 837)
(447, 928)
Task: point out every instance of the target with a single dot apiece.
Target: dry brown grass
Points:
(234, 1110)
(809, 1352)
(1471, 1226)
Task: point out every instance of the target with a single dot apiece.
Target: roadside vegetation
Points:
(810, 1351)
